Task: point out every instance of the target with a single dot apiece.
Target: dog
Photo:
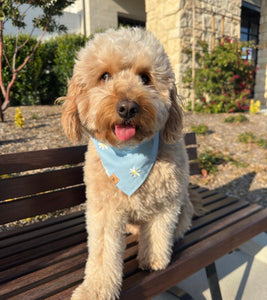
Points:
(122, 96)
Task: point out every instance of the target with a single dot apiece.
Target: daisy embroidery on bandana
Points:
(135, 172)
(128, 168)
(102, 146)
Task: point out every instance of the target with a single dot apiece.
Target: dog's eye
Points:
(106, 76)
(145, 78)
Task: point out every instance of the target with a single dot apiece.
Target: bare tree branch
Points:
(34, 49)
(1, 54)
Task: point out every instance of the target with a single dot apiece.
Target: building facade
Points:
(178, 24)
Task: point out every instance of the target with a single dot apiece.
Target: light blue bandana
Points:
(128, 168)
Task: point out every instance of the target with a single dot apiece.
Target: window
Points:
(125, 21)
(250, 20)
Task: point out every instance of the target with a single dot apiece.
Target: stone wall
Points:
(261, 77)
(171, 22)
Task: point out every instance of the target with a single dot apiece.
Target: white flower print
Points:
(135, 172)
(102, 146)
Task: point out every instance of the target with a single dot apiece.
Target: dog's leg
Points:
(156, 240)
(106, 243)
(185, 220)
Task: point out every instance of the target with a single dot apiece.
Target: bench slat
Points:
(41, 262)
(190, 138)
(218, 214)
(194, 168)
(24, 161)
(41, 240)
(50, 287)
(15, 240)
(35, 253)
(34, 279)
(41, 204)
(192, 153)
(39, 225)
(217, 226)
(144, 285)
(41, 182)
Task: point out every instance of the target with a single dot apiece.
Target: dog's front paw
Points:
(88, 291)
(154, 264)
(80, 293)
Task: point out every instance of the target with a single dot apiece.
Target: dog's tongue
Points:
(124, 132)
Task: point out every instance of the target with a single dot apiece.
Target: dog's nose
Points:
(127, 109)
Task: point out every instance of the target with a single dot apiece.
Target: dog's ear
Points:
(173, 127)
(70, 118)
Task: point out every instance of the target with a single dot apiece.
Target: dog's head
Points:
(122, 91)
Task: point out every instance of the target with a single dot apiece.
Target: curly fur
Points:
(160, 207)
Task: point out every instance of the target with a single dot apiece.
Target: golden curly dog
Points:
(123, 95)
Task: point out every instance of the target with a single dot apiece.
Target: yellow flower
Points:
(254, 107)
(19, 120)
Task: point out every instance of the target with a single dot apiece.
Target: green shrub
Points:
(238, 119)
(45, 76)
(67, 46)
(250, 138)
(247, 137)
(58, 56)
(209, 160)
(223, 82)
(200, 129)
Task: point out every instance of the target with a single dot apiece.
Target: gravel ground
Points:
(42, 130)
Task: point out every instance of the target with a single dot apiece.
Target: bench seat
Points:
(46, 260)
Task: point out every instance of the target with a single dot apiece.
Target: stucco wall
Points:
(102, 14)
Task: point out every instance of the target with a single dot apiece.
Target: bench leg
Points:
(213, 282)
(179, 293)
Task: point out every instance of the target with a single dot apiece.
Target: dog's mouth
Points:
(124, 132)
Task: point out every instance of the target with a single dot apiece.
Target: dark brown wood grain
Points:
(41, 204)
(40, 182)
(19, 162)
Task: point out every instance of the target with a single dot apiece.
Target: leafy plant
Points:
(209, 160)
(250, 138)
(262, 143)
(238, 119)
(223, 80)
(247, 137)
(58, 56)
(200, 129)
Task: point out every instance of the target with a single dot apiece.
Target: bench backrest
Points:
(38, 182)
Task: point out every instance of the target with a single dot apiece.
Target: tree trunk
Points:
(1, 115)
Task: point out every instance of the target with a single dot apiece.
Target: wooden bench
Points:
(46, 260)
